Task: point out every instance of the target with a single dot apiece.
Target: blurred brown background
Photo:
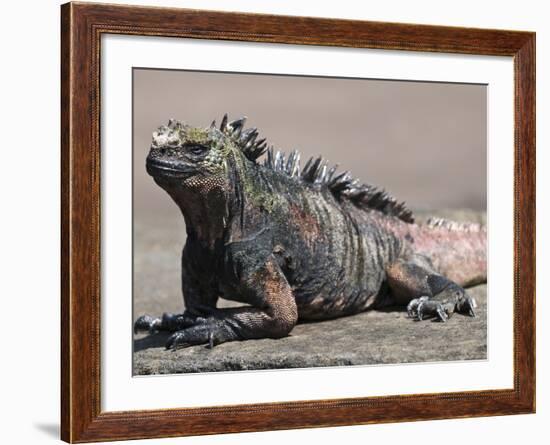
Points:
(423, 142)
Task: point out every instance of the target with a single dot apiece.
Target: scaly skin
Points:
(296, 243)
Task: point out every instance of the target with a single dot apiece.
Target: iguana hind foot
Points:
(429, 294)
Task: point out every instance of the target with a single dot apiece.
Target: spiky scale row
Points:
(455, 226)
(315, 172)
(245, 139)
(293, 164)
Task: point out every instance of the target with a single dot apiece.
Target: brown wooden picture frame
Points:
(82, 26)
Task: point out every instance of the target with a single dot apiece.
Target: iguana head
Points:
(183, 156)
(200, 168)
(180, 152)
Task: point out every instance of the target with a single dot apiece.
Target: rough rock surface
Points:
(364, 339)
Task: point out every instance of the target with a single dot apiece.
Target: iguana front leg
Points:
(199, 297)
(273, 313)
(426, 293)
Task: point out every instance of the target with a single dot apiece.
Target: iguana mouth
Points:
(158, 168)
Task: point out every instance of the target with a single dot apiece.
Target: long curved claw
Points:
(420, 311)
(466, 305)
(146, 323)
(412, 308)
(210, 340)
(441, 314)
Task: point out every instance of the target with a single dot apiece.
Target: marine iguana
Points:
(296, 243)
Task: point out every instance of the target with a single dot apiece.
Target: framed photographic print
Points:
(275, 222)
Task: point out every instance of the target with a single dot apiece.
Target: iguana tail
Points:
(457, 250)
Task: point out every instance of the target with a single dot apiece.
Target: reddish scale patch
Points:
(279, 297)
(460, 255)
(307, 225)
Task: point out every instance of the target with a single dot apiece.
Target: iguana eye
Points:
(196, 149)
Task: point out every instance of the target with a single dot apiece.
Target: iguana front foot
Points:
(208, 331)
(168, 322)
